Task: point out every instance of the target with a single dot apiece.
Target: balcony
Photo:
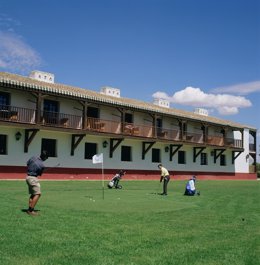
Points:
(215, 140)
(55, 119)
(17, 114)
(193, 137)
(60, 120)
(168, 134)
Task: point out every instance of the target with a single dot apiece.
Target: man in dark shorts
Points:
(35, 168)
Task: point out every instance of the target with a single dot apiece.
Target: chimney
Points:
(162, 102)
(42, 76)
(201, 111)
(110, 91)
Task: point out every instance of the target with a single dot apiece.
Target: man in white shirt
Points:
(190, 187)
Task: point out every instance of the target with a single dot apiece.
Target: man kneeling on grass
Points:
(35, 169)
(190, 189)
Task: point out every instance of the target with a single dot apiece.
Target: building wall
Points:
(242, 162)
(15, 161)
(16, 155)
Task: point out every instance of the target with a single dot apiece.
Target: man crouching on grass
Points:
(35, 168)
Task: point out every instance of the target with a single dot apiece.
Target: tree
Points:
(258, 169)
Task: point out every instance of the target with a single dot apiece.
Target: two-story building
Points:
(73, 124)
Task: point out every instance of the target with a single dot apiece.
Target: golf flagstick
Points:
(98, 159)
(103, 185)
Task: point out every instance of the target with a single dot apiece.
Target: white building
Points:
(73, 124)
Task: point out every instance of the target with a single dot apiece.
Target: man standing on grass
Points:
(35, 168)
(165, 177)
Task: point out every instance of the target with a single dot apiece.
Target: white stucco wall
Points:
(242, 163)
(16, 155)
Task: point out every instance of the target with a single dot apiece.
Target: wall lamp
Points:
(105, 143)
(18, 136)
(166, 149)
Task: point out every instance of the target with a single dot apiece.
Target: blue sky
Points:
(203, 53)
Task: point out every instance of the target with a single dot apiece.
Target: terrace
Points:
(12, 114)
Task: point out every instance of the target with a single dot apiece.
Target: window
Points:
(51, 105)
(181, 157)
(49, 145)
(4, 100)
(3, 144)
(156, 155)
(51, 111)
(159, 125)
(184, 126)
(223, 160)
(129, 117)
(126, 153)
(90, 150)
(93, 112)
(204, 159)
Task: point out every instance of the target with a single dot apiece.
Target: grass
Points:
(131, 226)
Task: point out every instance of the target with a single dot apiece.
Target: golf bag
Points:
(114, 182)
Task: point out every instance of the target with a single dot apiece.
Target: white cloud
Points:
(16, 55)
(162, 95)
(8, 23)
(240, 89)
(225, 104)
(227, 110)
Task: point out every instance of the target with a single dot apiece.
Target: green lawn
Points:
(131, 226)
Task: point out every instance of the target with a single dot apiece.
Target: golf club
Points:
(48, 168)
(158, 187)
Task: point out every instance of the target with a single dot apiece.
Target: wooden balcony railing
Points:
(231, 142)
(61, 120)
(99, 125)
(138, 130)
(17, 114)
(54, 119)
(193, 137)
(215, 140)
(168, 134)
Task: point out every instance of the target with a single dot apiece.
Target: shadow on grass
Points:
(155, 193)
(25, 210)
